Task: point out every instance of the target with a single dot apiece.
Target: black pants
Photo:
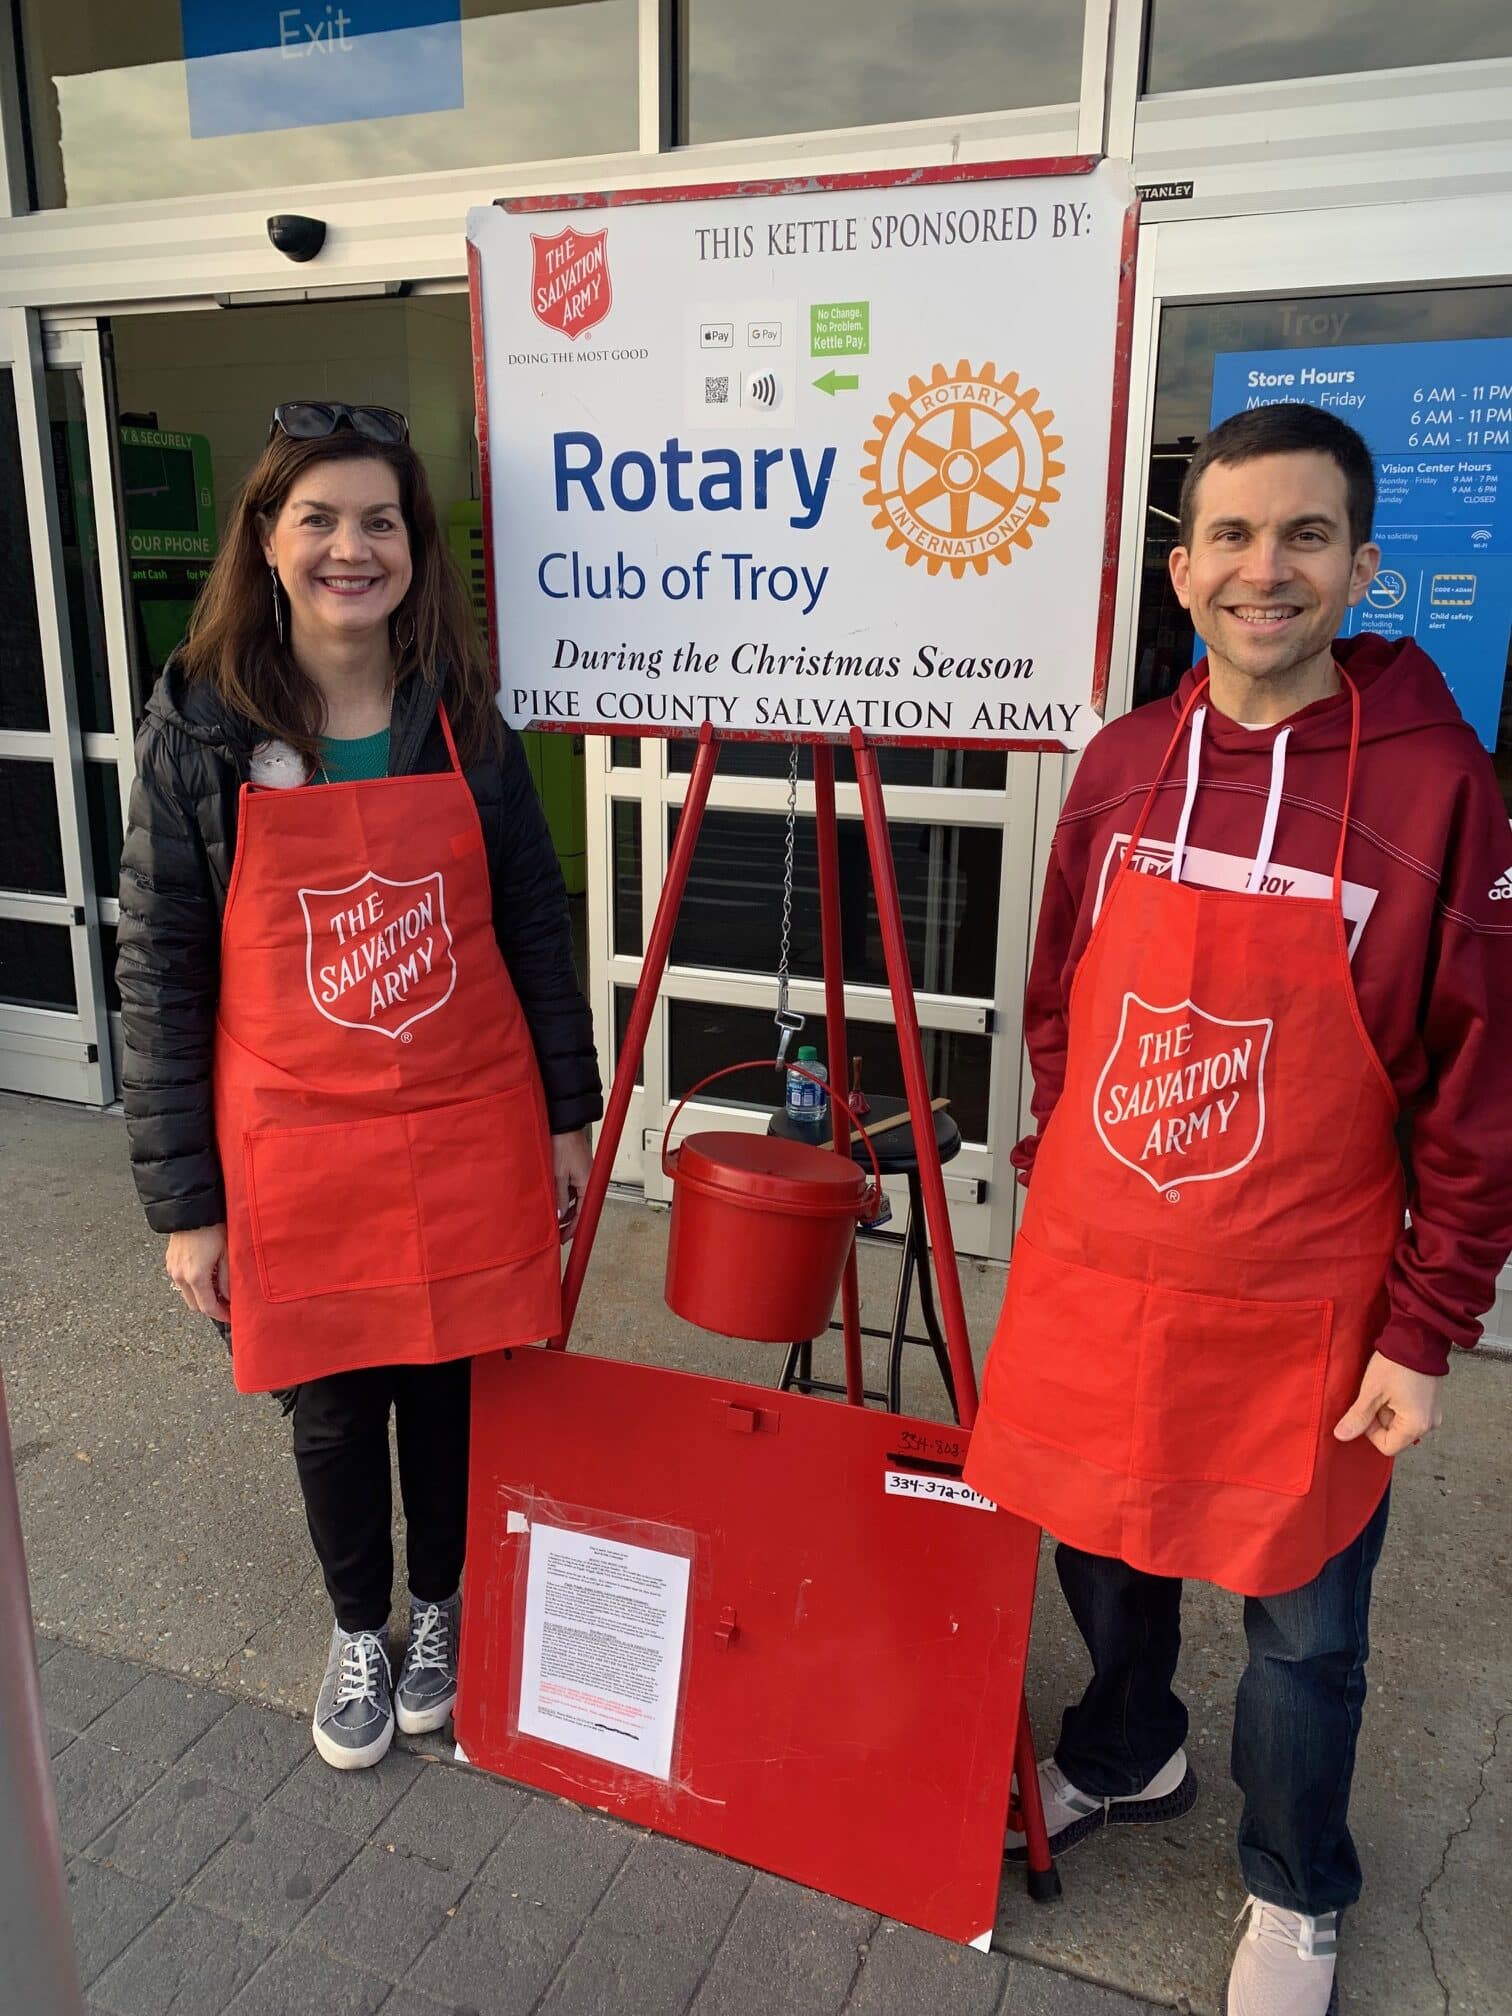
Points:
(1296, 1720)
(341, 1446)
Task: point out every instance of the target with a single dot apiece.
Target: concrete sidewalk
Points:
(164, 1529)
(215, 1863)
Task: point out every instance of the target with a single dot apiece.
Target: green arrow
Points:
(836, 381)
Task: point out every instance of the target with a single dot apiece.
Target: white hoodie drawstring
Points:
(1194, 758)
(1261, 865)
(1261, 868)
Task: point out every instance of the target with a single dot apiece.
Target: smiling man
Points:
(1271, 1183)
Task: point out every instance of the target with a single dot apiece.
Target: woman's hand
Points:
(196, 1263)
(571, 1159)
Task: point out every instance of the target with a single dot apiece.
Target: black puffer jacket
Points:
(192, 758)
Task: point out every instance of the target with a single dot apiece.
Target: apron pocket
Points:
(1064, 1367)
(1158, 1383)
(1230, 1391)
(405, 1198)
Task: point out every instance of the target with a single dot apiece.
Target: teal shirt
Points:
(352, 762)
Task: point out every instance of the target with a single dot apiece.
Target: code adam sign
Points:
(797, 463)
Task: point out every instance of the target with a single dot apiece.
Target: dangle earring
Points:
(278, 619)
(405, 644)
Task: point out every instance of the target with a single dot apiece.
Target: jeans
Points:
(341, 1449)
(1296, 1718)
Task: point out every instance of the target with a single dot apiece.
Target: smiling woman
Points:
(358, 1067)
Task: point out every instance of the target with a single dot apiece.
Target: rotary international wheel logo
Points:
(962, 469)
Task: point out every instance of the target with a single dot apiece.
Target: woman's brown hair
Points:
(233, 642)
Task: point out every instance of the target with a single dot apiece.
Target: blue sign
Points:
(1438, 420)
(256, 66)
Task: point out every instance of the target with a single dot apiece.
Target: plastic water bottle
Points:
(808, 1103)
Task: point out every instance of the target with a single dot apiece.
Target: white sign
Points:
(601, 1658)
(802, 463)
(934, 1490)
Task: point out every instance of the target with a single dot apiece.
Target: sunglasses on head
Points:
(310, 419)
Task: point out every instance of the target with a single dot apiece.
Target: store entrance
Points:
(143, 430)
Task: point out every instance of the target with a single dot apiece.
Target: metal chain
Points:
(788, 1021)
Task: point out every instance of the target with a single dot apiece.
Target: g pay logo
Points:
(1181, 1098)
(378, 953)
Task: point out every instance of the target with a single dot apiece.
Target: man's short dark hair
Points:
(1287, 429)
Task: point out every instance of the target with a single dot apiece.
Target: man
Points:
(1276, 895)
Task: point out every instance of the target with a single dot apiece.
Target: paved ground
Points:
(215, 1863)
(164, 1531)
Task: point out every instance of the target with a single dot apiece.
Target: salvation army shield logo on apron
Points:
(1181, 1098)
(378, 953)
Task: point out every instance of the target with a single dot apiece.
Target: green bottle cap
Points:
(807, 1054)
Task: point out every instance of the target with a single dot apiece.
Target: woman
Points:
(359, 1069)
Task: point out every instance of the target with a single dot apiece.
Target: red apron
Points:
(1198, 1282)
(378, 1108)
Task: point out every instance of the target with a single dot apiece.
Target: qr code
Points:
(716, 391)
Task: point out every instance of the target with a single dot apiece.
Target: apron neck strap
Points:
(1195, 714)
(1197, 695)
(451, 747)
(1349, 780)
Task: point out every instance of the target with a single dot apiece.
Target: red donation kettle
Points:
(761, 1227)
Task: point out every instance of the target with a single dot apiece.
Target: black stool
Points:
(897, 1155)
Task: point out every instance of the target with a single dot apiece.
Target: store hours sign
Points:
(800, 463)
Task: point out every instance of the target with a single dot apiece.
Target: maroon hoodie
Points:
(1428, 906)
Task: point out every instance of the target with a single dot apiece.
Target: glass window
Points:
(943, 769)
(948, 885)
(36, 965)
(788, 66)
(705, 1035)
(108, 963)
(624, 1001)
(1191, 338)
(102, 797)
(626, 823)
(81, 550)
(31, 846)
(131, 102)
(1194, 45)
(624, 752)
(23, 693)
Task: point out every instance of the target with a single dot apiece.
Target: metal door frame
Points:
(60, 1053)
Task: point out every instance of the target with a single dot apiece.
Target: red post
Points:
(835, 1045)
(653, 965)
(911, 1049)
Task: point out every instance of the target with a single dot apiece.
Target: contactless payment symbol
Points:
(570, 290)
(1388, 590)
(1181, 1098)
(962, 469)
(378, 953)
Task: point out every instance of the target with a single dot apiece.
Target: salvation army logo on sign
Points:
(570, 290)
(378, 953)
(1181, 1098)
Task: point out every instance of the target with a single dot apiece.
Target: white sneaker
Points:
(1071, 1815)
(354, 1714)
(1284, 1965)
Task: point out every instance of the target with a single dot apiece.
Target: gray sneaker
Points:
(427, 1684)
(354, 1715)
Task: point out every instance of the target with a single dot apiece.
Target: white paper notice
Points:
(601, 1662)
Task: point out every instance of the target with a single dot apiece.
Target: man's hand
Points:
(1396, 1406)
(571, 1159)
(196, 1263)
